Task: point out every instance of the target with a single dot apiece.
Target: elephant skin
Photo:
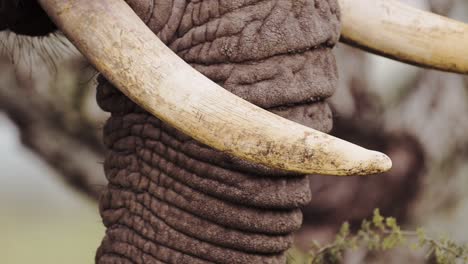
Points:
(173, 200)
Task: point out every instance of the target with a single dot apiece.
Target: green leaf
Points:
(378, 219)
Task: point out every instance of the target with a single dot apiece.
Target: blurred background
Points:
(51, 152)
(42, 220)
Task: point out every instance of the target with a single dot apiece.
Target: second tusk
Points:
(401, 32)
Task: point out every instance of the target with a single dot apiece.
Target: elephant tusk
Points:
(398, 31)
(122, 48)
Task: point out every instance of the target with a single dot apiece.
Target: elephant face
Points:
(174, 200)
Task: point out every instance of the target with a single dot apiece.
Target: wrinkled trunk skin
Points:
(173, 200)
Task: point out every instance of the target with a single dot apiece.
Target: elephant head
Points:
(197, 174)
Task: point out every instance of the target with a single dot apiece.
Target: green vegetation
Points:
(381, 234)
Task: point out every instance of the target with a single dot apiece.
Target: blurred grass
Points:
(71, 239)
(42, 220)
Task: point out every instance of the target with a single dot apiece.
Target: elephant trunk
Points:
(173, 200)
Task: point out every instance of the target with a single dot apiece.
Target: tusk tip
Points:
(342, 158)
(376, 162)
(352, 160)
(382, 162)
(361, 163)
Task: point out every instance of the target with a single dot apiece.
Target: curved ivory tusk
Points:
(121, 47)
(398, 31)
